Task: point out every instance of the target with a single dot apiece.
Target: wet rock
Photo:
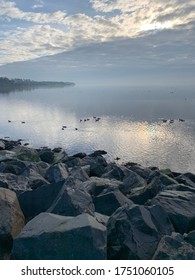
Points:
(141, 171)
(56, 173)
(135, 231)
(72, 200)
(55, 237)
(174, 248)
(11, 221)
(98, 153)
(26, 154)
(186, 179)
(180, 207)
(79, 155)
(33, 202)
(79, 173)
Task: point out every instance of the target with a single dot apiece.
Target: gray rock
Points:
(102, 219)
(97, 165)
(14, 182)
(56, 173)
(26, 154)
(46, 155)
(2, 145)
(174, 248)
(79, 173)
(35, 179)
(163, 179)
(135, 231)
(33, 202)
(186, 179)
(54, 237)
(107, 203)
(95, 186)
(181, 187)
(190, 237)
(72, 200)
(144, 172)
(116, 172)
(15, 167)
(11, 221)
(180, 206)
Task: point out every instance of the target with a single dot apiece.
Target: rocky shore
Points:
(55, 206)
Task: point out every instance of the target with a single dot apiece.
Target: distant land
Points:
(9, 85)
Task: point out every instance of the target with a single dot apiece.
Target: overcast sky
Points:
(119, 41)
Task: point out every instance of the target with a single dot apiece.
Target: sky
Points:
(99, 41)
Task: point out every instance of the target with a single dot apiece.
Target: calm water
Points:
(131, 124)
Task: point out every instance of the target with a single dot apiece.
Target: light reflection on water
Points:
(130, 127)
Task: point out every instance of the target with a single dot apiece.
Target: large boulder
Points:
(135, 231)
(2, 145)
(180, 207)
(54, 237)
(47, 155)
(97, 165)
(190, 237)
(38, 200)
(35, 179)
(186, 179)
(11, 220)
(174, 248)
(15, 167)
(56, 173)
(13, 182)
(72, 200)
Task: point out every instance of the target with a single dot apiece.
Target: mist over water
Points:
(130, 127)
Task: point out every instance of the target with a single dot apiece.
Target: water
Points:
(130, 127)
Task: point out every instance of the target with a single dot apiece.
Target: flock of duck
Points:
(97, 119)
(172, 121)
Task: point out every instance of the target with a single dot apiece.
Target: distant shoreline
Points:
(9, 85)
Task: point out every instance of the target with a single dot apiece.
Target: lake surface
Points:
(130, 127)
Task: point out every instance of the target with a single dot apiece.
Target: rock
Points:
(50, 236)
(14, 182)
(79, 155)
(79, 174)
(12, 166)
(163, 180)
(186, 179)
(40, 167)
(143, 194)
(108, 202)
(97, 165)
(35, 179)
(33, 202)
(102, 219)
(116, 172)
(72, 162)
(181, 187)
(140, 170)
(72, 200)
(95, 186)
(135, 231)
(174, 248)
(11, 221)
(26, 154)
(190, 237)
(46, 155)
(98, 153)
(6, 155)
(180, 206)
(2, 145)
(56, 173)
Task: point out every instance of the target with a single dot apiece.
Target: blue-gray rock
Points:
(135, 231)
(180, 206)
(2, 145)
(72, 200)
(56, 173)
(55, 237)
(11, 221)
(190, 237)
(33, 202)
(107, 203)
(174, 248)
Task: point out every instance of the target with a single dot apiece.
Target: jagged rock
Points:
(95, 186)
(33, 202)
(140, 170)
(56, 173)
(174, 248)
(98, 153)
(135, 231)
(163, 180)
(181, 187)
(50, 236)
(72, 162)
(35, 179)
(11, 221)
(72, 200)
(116, 172)
(180, 206)
(102, 219)
(26, 154)
(2, 145)
(79, 155)
(107, 203)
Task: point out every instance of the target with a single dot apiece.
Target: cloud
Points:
(9, 9)
(38, 4)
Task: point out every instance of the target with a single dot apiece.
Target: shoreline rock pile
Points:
(55, 206)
